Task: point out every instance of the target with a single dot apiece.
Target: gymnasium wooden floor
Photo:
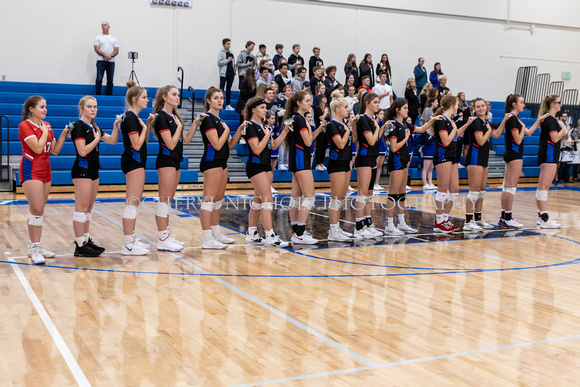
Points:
(494, 309)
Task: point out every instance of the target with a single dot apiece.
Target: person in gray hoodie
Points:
(245, 60)
(299, 79)
(227, 70)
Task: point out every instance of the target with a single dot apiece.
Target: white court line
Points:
(255, 300)
(68, 357)
(410, 361)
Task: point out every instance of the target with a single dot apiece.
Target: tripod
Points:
(133, 74)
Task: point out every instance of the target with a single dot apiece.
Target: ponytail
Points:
(546, 102)
(368, 97)
(509, 102)
(446, 103)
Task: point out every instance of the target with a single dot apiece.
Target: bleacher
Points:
(62, 101)
(62, 104)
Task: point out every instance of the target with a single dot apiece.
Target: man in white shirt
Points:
(107, 48)
(384, 91)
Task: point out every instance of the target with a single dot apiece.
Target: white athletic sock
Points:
(390, 222)
(34, 244)
(128, 238)
(163, 234)
(445, 217)
(80, 241)
(401, 218)
(207, 234)
(215, 230)
(252, 230)
(440, 218)
(87, 236)
(334, 227)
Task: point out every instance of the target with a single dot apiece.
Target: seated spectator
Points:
(330, 82)
(435, 74)
(359, 97)
(295, 60)
(283, 78)
(351, 97)
(315, 60)
(366, 69)
(264, 77)
(351, 69)
(365, 84)
(299, 79)
(316, 79)
(442, 84)
(279, 55)
(261, 55)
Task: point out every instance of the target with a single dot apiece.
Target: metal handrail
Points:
(192, 99)
(181, 85)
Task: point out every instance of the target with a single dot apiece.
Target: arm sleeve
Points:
(553, 126)
(332, 130)
(251, 132)
(512, 123)
(25, 131)
(132, 124)
(78, 133)
(208, 125)
(162, 124)
(477, 126)
(440, 126)
(299, 123)
(364, 125)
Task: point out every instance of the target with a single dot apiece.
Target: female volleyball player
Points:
(37, 140)
(85, 173)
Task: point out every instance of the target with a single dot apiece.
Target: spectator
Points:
(295, 60)
(420, 75)
(424, 95)
(245, 61)
(316, 79)
(385, 66)
(442, 85)
(330, 82)
(384, 91)
(264, 74)
(280, 63)
(279, 55)
(315, 60)
(412, 100)
(298, 80)
(366, 68)
(462, 108)
(365, 84)
(318, 90)
(107, 48)
(263, 56)
(227, 70)
(575, 136)
(247, 91)
(431, 106)
(264, 63)
(356, 106)
(351, 97)
(565, 145)
(283, 78)
(489, 113)
(321, 116)
(282, 100)
(350, 68)
(435, 74)
(350, 81)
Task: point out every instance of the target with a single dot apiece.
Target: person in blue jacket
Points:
(434, 76)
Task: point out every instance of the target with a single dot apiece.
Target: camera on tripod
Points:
(133, 55)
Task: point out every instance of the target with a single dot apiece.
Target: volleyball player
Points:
(217, 142)
(548, 156)
(445, 161)
(398, 164)
(85, 173)
(367, 133)
(135, 135)
(300, 164)
(513, 154)
(338, 166)
(168, 127)
(478, 138)
(257, 169)
(37, 140)
(382, 154)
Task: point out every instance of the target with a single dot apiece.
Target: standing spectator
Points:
(350, 81)
(366, 68)
(420, 75)
(350, 97)
(263, 56)
(245, 61)
(350, 68)
(264, 74)
(442, 85)
(279, 55)
(227, 70)
(330, 82)
(385, 66)
(298, 80)
(321, 116)
(575, 136)
(435, 74)
(424, 96)
(563, 175)
(295, 60)
(359, 97)
(384, 91)
(489, 113)
(365, 84)
(315, 60)
(316, 79)
(247, 91)
(107, 48)
(462, 108)
(412, 100)
(283, 78)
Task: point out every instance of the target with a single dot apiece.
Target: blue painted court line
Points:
(410, 361)
(258, 302)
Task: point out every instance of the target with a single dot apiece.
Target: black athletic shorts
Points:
(338, 166)
(167, 161)
(84, 173)
(365, 161)
(396, 163)
(252, 169)
(205, 165)
(509, 155)
(129, 164)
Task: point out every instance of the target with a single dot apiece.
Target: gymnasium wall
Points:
(47, 41)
